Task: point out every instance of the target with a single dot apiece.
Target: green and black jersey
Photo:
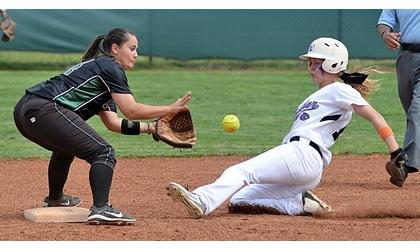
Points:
(86, 87)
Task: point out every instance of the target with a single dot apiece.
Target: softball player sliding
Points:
(279, 179)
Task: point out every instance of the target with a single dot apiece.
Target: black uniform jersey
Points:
(86, 87)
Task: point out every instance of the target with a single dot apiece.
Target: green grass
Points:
(264, 101)
(24, 60)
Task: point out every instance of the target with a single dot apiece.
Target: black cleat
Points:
(65, 201)
(107, 215)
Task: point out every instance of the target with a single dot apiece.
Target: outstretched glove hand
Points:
(396, 167)
(175, 129)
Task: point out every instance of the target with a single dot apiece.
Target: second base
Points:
(57, 214)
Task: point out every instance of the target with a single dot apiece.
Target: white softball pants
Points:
(276, 178)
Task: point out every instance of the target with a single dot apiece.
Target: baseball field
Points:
(366, 206)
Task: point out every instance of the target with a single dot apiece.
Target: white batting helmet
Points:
(333, 51)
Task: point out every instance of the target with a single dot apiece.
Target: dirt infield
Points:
(366, 206)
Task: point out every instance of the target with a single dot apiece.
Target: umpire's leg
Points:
(409, 93)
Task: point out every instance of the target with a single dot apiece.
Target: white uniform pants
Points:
(275, 178)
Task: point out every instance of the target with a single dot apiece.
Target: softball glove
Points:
(176, 130)
(396, 167)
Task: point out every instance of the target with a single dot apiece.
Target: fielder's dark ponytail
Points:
(94, 50)
(103, 43)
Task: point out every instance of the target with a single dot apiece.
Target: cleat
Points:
(107, 215)
(193, 203)
(312, 205)
(65, 201)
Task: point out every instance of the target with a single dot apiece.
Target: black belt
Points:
(311, 143)
(412, 47)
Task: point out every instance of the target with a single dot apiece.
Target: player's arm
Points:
(119, 125)
(396, 165)
(379, 123)
(138, 111)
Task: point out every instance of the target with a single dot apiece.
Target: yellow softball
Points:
(231, 123)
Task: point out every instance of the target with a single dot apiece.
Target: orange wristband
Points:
(384, 132)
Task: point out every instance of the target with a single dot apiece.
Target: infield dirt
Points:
(367, 206)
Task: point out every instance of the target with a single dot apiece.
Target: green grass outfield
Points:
(264, 100)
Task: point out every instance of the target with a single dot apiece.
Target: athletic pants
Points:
(276, 178)
(67, 135)
(408, 74)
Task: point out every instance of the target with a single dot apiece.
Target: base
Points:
(57, 214)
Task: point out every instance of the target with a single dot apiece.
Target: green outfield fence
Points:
(194, 34)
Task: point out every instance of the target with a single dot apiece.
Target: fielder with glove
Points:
(8, 26)
(53, 114)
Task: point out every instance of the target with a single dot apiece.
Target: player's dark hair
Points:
(103, 43)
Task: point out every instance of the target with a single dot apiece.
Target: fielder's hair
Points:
(103, 43)
(369, 85)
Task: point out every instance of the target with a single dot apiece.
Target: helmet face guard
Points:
(333, 52)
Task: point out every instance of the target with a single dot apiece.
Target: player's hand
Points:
(399, 157)
(181, 103)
